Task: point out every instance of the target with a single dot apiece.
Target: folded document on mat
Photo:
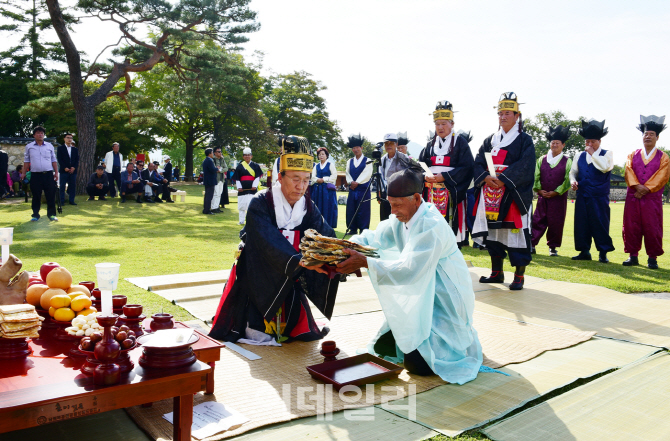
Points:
(211, 418)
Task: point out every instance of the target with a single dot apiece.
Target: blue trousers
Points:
(69, 179)
(592, 221)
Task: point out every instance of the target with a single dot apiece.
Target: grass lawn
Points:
(154, 239)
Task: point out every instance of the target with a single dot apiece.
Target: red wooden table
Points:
(48, 387)
(208, 350)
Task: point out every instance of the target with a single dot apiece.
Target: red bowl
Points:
(132, 311)
(118, 301)
(95, 293)
(89, 285)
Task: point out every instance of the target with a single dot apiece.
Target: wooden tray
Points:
(356, 370)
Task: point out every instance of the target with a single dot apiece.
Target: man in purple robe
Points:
(647, 173)
(552, 182)
(590, 178)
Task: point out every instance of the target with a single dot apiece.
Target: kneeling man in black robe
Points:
(265, 299)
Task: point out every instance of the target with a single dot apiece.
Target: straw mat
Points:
(452, 409)
(367, 423)
(506, 341)
(261, 389)
(625, 405)
(585, 308)
(278, 388)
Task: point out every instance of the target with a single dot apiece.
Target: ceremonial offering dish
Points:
(117, 303)
(132, 311)
(134, 323)
(89, 285)
(173, 356)
(329, 351)
(14, 348)
(358, 370)
(161, 320)
(107, 351)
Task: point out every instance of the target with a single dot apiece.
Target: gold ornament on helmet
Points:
(296, 154)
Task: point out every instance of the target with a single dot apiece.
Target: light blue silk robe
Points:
(425, 291)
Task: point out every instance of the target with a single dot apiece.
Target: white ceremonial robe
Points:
(425, 291)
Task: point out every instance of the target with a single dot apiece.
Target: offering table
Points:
(48, 386)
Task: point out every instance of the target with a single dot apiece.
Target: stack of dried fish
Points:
(317, 249)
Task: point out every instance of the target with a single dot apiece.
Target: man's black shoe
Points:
(138, 200)
(584, 255)
(73, 203)
(652, 263)
(158, 200)
(495, 277)
(102, 198)
(123, 199)
(148, 200)
(631, 261)
(209, 212)
(553, 252)
(92, 199)
(603, 257)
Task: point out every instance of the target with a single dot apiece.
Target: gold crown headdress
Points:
(296, 154)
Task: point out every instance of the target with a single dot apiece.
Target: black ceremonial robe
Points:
(457, 180)
(519, 176)
(268, 277)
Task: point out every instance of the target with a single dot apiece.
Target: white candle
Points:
(6, 238)
(108, 279)
(106, 302)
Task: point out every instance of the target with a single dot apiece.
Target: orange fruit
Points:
(80, 289)
(59, 278)
(34, 293)
(64, 315)
(52, 310)
(60, 301)
(80, 302)
(87, 311)
(45, 300)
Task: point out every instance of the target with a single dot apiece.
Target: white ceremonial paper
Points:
(211, 418)
(427, 172)
(167, 338)
(243, 352)
(490, 165)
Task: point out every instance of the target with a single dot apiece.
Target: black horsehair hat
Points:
(465, 135)
(593, 129)
(652, 123)
(402, 138)
(406, 182)
(355, 141)
(558, 133)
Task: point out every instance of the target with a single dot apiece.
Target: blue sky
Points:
(386, 63)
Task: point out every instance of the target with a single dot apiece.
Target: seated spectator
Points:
(130, 183)
(163, 186)
(98, 184)
(144, 175)
(16, 180)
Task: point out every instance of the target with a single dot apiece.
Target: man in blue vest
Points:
(590, 178)
(359, 173)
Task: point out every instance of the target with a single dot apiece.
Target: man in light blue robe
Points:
(423, 285)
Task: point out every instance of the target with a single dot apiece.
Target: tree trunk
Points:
(87, 136)
(85, 112)
(189, 141)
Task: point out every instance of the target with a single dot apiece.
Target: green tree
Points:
(174, 23)
(29, 60)
(221, 108)
(293, 106)
(55, 111)
(537, 127)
